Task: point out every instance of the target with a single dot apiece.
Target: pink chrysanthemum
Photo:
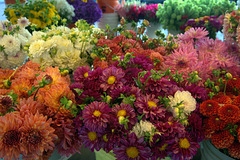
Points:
(149, 106)
(111, 78)
(96, 116)
(132, 148)
(193, 34)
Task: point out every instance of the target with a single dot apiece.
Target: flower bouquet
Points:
(63, 47)
(87, 10)
(39, 13)
(37, 111)
(222, 113)
(12, 41)
(213, 24)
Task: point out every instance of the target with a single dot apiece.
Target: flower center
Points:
(105, 138)
(209, 105)
(121, 113)
(111, 80)
(97, 113)
(85, 75)
(184, 143)
(11, 138)
(163, 147)
(151, 104)
(34, 137)
(181, 64)
(92, 136)
(132, 152)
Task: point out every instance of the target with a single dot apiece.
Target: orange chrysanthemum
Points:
(20, 87)
(161, 50)
(236, 101)
(222, 99)
(4, 75)
(209, 108)
(216, 124)
(222, 139)
(4, 91)
(37, 135)
(234, 150)
(10, 136)
(6, 102)
(229, 113)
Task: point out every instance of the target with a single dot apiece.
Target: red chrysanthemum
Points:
(222, 99)
(208, 131)
(222, 139)
(236, 101)
(37, 135)
(216, 123)
(229, 113)
(10, 136)
(209, 108)
(112, 78)
(96, 116)
(118, 39)
(234, 150)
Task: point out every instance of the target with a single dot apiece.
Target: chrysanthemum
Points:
(23, 22)
(197, 91)
(216, 123)
(125, 110)
(225, 60)
(141, 62)
(188, 102)
(183, 148)
(131, 74)
(81, 73)
(130, 43)
(209, 108)
(222, 99)
(234, 150)
(193, 34)
(20, 87)
(236, 101)
(6, 102)
(96, 116)
(37, 135)
(229, 113)
(143, 127)
(119, 39)
(132, 148)
(111, 78)
(234, 84)
(106, 142)
(222, 139)
(10, 136)
(11, 44)
(148, 105)
(4, 75)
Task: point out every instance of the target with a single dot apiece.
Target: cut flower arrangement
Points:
(12, 41)
(63, 47)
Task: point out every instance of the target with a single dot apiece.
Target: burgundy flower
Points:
(81, 73)
(197, 91)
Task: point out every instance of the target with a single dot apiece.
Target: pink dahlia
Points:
(112, 78)
(149, 105)
(193, 34)
(96, 116)
(132, 148)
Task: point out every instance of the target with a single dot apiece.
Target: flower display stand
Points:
(152, 28)
(102, 155)
(209, 152)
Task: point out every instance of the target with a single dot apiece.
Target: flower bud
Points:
(229, 75)
(47, 79)
(121, 119)
(7, 84)
(64, 73)
(146, 23)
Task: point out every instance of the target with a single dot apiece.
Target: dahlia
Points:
(193, 34)
(229, 113)
(149, 106)
(132, 148)
(80, 74)
(216, 123)
(209, 108)
(224, 60)
(20, 87)
(112, 78)
(37, 135)
(10, 136)
(183, 148)
(234, 150)
(236, 101)
(125, 110)
(119, 39)
(222, 99)
(197, 91)
(96, 116)
(222, 139)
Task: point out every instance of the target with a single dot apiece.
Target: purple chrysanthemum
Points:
(131, 74)
(116, 93)
(96, 116)
(149, 106)
(81, 73)
(132, 148)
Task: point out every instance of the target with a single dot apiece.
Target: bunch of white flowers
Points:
(61, 47)
(12, 41)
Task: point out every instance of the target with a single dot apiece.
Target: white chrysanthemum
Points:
(11, 44)
(64, 9)
(14, 61)
(143, 127)
(188, 103)
(37, 35)
(83, 46)
(64, 29)
(23, 40)
(2, 56)
(45, 60)
(36, 49)
(62, 44)
(25, 33)
(23, 22)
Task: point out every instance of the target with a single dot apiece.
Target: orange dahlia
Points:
(209, 108)
(4, 75)
(19, 87)
(216, 123)
(222, 139)
(234, 150)
(229, 113)
(10, 136)
(222, 99)
(37, 135)
(236, 101)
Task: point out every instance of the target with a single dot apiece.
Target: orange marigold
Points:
(234, 150)
(229, 113)
(222, 139)
(209, 108)
(222, 99)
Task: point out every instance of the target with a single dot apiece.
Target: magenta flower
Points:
(96, 116)
(81, 73)
(132, 148)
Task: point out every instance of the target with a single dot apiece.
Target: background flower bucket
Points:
(13, 1)
(107, 6)
(209, 152)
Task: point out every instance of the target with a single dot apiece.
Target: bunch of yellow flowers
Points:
(40, 13)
